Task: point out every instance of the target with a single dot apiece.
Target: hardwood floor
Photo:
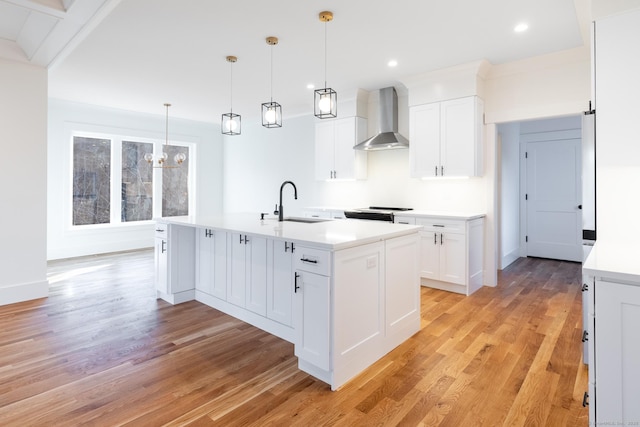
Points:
(102, 351)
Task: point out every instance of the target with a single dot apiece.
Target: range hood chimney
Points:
(388, 137)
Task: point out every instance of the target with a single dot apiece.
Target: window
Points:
(137, 182)
(114, 184)
(91, 180)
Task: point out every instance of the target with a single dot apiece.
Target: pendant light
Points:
(162, 159)
(231, 123)
(271, 111)
(325, 100)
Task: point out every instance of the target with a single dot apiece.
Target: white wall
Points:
(509, 191)
(23, 180)
(66, 241)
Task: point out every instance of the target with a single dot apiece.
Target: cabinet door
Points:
(205, 266)
(458, 137)
(424, 137)
(429, 255)
(161, 265)
(312, 319)
(324, 150)
(453, 258)
(219, 285)
(256, 262)
(236, 284)
(280, 284)
(349, 163)
(617, 341)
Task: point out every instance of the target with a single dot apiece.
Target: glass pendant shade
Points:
(161, 159)
(271, 115)
(325, 103)
(231, 124)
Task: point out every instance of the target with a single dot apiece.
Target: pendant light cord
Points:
(166, 127)
(271, 74)
(325, 54)
(231, 89)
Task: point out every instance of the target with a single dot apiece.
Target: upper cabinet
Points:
(335, 157)
(446, 138)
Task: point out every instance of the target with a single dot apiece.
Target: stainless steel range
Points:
(375, 213)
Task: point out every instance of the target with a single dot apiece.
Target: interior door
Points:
(553, 196)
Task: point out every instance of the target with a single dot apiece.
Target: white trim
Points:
(23, 292)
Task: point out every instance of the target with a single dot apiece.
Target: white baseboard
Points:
(507, 259)
(23, 292)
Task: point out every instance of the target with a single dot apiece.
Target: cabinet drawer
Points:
(399, 219)
(161, 230)
(448, 225)
(312, 260)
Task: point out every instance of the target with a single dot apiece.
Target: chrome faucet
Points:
(295, 196)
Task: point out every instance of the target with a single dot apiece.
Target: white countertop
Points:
(614, 260)
(441, 214)
(418, 213)
(335, 235)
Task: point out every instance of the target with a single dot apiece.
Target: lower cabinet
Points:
(312, 302)
(174, 262)
(280, 281)
(211, 262)
(247, 284)
(613, 394)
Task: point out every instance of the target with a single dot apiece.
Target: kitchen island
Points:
(345, 292)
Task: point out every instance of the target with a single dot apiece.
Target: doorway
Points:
(540, 189)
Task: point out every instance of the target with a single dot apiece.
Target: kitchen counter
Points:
(332, 235)
(614, 260)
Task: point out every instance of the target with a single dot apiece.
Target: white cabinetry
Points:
(211, 262)
(451, 252)
(280, 281)
(175, 262)
(247, 284)
(617, 345)
(446, 138)
(312, 308)
(335, 157)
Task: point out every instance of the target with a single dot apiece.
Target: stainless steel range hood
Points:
(388, 137)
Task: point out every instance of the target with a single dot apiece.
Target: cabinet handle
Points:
(438, 225)
(286, 247)
(436, 170)
(435, 238)
(241, 241)
(312, 261)
(160, 230)
(440, 239)
(244, 240)
(292, 247)
(295, 283)
(585, 336)
(163, 249)
(585, 287)
(208, 233)
(585, 399)
(403, 222)
(441, 170)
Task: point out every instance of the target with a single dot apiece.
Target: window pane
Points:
(136, 182)
(175, 189)
(91, 180)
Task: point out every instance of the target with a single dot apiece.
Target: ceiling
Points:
(138, 54)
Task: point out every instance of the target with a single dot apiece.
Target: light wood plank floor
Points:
(102, 351)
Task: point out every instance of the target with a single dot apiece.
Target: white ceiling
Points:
(143, 53)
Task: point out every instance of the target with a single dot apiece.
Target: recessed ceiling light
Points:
(310, 86)
(392, 63)
(521, 27)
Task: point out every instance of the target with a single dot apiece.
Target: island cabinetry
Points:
(280, 281)
(335, 157)
(211, 262)
(247, 284)
(446, 138)
(175, 262)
